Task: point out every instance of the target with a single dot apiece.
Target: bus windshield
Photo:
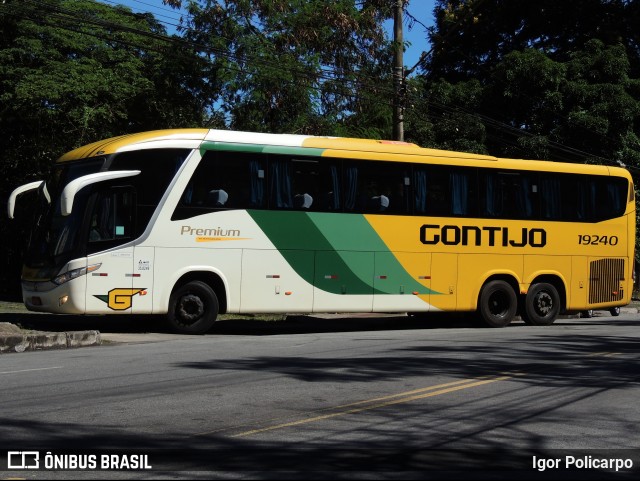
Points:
(54, 235)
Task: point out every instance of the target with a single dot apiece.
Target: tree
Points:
(551, 80)
(468, 35)
(294, 65)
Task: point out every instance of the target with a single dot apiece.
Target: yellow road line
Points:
(30, 370)
(403, 398)
(390, 400)
(358, 403)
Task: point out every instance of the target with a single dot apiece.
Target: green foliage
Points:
(551, 80)
(295, 65)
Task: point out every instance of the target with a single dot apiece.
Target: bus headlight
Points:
(74, 273)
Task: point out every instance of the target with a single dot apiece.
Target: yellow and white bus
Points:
(193, 223)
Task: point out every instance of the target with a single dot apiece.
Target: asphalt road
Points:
(350, 398)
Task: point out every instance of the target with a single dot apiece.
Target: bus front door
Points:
(109, 288)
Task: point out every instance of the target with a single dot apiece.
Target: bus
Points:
(194, 223)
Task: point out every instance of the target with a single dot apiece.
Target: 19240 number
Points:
(594, 240)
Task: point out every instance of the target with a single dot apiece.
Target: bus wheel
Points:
(542, 305)
(498, 304)
(193, 308)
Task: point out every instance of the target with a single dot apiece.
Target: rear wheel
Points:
(497, 304)
(193, 308)
(542, 305)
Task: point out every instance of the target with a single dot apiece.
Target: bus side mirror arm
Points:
(72, 188)
(11, 205)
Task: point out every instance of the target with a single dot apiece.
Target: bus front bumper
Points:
(46, 296)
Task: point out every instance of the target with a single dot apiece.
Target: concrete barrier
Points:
(12, 339)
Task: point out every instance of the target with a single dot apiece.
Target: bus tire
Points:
(498, 304)
(542, 305)
(193, 308)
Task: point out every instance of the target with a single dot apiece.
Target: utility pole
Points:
(398, 73)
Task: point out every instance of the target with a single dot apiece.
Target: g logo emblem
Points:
(121, 299)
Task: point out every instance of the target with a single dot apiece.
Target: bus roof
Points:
(133, 141)
(327, 146)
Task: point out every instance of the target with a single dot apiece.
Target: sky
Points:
(415, 35)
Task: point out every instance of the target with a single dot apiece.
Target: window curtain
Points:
(551, 199)
(459, 186)
(420, 190)
(616, 198)
(334, 200)
(586, 200)
(489, 195)
(280, 180)
(523, 197)
(351, 187)
(256, 183)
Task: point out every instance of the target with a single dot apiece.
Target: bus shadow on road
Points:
(302, 324)
(242, 324)
(260, 325)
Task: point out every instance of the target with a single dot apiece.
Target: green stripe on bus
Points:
(256, 148)
(261, 148)
(343, 264)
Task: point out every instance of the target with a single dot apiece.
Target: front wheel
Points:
(615, 311)
(193, 308)
(498, 304)
(542, 305)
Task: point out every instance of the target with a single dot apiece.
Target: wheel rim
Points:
(499, 304)
(543, 304)
(190, 308)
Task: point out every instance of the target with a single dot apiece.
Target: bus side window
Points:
(224, 180)
(610, 198)
(112, 218)
(582, 198)
(384, 188)
(157, 169)
(438, 196)
(509, 194)
(305, 183)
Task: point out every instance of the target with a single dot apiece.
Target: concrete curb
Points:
(40, 341)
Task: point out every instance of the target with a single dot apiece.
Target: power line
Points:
(172, 17)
